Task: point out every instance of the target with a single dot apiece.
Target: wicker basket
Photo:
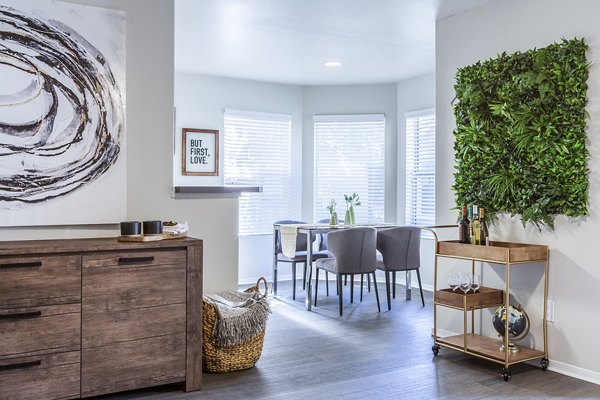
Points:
(218, 359)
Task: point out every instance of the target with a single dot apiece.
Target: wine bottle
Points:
(484, 235)
(470, 217)
(463, 227)
(475, 227)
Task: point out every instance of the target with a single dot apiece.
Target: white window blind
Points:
(349, 157)
(257, 152)
(420, 168)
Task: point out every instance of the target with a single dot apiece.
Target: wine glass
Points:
(453, 281)
(475, 282)
(464, 282)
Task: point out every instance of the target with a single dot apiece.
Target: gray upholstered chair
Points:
(299, 256)
(353, 252)
(323, 247)
(400, 250)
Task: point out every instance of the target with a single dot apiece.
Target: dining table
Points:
(311, 231)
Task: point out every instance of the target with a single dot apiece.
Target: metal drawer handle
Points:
(21, 365)
(25, 315)
(34, 264)
(135, 260)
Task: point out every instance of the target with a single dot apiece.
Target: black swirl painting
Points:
(61, 108)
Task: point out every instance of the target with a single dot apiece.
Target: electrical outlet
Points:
(550, 311)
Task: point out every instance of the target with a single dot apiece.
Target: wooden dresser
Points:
(84, 317)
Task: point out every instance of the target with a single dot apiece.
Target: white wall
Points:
(200, 102)
(351, 99)
(574, 278)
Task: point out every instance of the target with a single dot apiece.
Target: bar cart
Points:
(502, 253)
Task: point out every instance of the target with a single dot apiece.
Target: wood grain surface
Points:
(133, 364)
(125, 305)
(56, 329)
(56, 377)
(56, 280)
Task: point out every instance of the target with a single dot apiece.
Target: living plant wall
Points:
(520, 140)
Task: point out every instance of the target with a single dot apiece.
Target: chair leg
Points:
(327, 283)
(339, 286)
(376, 292)
(316, 285)
(304, 278)
(394, 284)
(294, 281)
(275, 279)
(361, 286)
(420, 288)
(369, 283)
(352, 288)
(387, 289)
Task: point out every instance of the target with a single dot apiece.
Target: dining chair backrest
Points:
(323, 245)
(400, 247)
(354, 249)
(300, 238)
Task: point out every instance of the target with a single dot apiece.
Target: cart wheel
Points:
(544, 363)
(506, 374)
(436, 349)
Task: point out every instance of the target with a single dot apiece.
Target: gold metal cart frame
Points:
(502, 253)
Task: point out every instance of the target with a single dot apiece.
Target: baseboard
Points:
(574, 372)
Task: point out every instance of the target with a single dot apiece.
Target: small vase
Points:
(333, 220)
(349, 219)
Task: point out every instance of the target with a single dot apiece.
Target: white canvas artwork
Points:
(62, 117)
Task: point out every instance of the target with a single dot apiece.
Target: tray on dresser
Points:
(151, 238)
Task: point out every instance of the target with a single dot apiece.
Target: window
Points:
(420, 168)
(349, 157)
(257, 152)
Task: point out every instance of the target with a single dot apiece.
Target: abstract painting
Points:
(62, 125)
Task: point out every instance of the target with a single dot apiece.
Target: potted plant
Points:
(351, 202)
(333, 220)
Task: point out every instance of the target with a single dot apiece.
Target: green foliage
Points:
(351, 200)
(331, 206)
(520, 133)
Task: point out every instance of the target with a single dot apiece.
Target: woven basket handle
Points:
(264, 281)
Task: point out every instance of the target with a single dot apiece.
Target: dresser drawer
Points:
(37, 330)
(36, 281)
(134, 364)
(135, 258)
(140, 280)
(100, 329)
(52, 376)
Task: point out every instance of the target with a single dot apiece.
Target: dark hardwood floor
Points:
(366, 355)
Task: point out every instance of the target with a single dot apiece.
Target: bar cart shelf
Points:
(503, 253)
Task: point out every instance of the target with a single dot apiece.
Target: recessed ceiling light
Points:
(333, 64)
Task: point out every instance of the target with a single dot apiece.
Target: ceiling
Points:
(288, 41)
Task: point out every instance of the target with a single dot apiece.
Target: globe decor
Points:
(518, 325)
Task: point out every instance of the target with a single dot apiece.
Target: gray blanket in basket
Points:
(240, 316)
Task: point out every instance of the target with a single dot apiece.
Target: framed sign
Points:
(200, 152)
